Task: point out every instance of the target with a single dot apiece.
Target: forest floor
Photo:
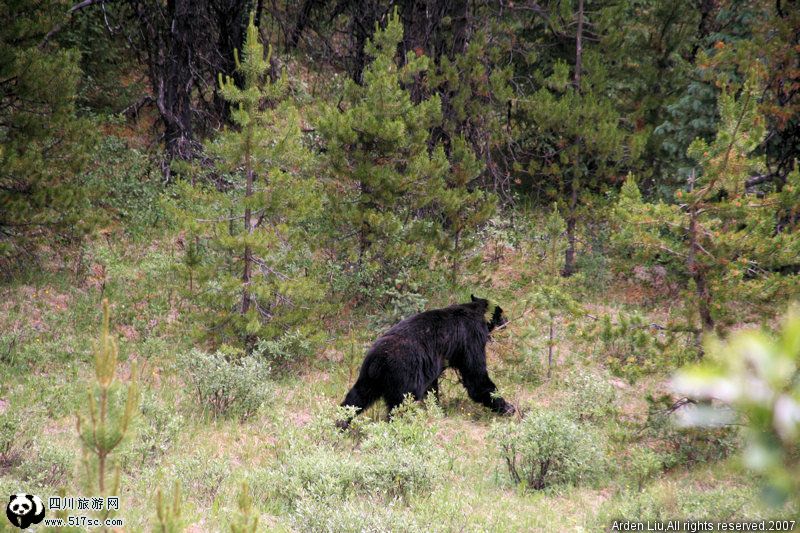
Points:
(301, 475)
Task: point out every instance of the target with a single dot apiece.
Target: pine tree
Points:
(728, 245)
(474, 86)
(248, 252)
(572, 140)
(44, 146)
(108, 423)
(393, 193)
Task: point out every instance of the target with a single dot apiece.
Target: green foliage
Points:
(643, 464)
(227, 384)
(552, 301)
(44, 146)
(169, 517)
(248, 254)
(526, 356)
(9, 428)
(396, 462)
(671, 501)
(591, 396)
(46, 466)
(200, 475)
(758, 376)
(156, 432)
(395, 199)
(354, 516)
(682, 445)
(547, 448)
(246, 519)
(720, 240)
(555, 244)
(570, 131)
(109, 417)
(629, 345)
(476, 89)
(286, 351)
(125, 185)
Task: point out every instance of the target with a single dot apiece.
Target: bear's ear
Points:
(11, 498)
(498, 313)
(472, 297)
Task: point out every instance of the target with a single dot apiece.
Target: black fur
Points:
(410, 357)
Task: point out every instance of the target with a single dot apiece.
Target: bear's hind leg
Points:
(434, 387)
(360, 397)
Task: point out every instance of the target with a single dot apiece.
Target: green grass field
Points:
(438, 468)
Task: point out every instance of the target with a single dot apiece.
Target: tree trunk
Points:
(302, 21)
(569, 254)
(696, 270)
(248, 228)
(579, 48)
(572, 219)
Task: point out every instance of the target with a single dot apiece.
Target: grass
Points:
(50, 320)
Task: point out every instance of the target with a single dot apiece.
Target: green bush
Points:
(46, 466)
(200, 475)
(687, 445)
(225, 384)
(548, 448)
(9, 429)
(282, 352)
(643, 464)
(631, 347)
(353, 515)
(158, 427)
(397, 459)
(591, 395)
(126, 185)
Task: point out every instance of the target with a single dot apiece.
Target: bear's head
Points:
(498, 318)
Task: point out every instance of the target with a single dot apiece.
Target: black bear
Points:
(410, 357)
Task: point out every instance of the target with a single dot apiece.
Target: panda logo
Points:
(24, 510)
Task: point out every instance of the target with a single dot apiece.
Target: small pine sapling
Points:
(246, 519)
(108, 422)
(169, 517)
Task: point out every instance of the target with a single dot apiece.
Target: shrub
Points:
(200, 475)
(548, 448)
(159, 425)
(591, 397)
(225, 384)
(643, 464)
(126, 186)
(353, 515)
(631, 346)
(399, 459)
(687, 445)
(9, 429)
(46, 466)
(282, 352)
